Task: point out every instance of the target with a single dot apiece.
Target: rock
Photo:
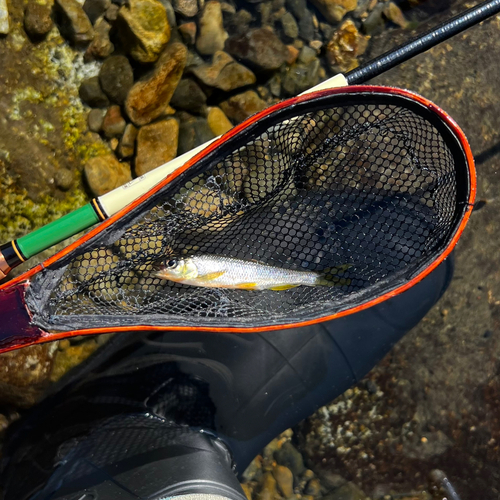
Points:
(394, 14)
(290, 457)
(92, 94)
(347, 492)
(189, 96)
(259, 47)
(293, 54)
(73, 22)
(375, 23)
(211, 35)
(268, 489)
(101, 46)
(327, 30)
(95, 119)
(300, 77)
(156, 145)
(240, 22)
(224, 73)
(149, 97)
(113, 143)
(218, 122)
(313, 488)
(227, 8)
(116, 78)
(335, 10)
(307, 55)
(330, 480)
(144, 29)
(246, 489)
(304, 17)
(37, 20)
(265, 10)
(95, 8)
(4, 18)
(316, 45)
(64, 179)
(284, 479)
(289, 25)
(113, 124)
(105, 173)
(345, 46)
(188, 33)
(112, 13)
(25, 374)
(193, 132)
(239, 107)
(188, 8)
(126, 147)
(275, 85)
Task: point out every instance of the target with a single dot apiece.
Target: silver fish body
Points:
(216, 271)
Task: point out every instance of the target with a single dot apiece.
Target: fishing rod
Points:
(101, 208)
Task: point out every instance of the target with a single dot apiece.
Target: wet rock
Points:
(316, 45)
(126, 147)
(284, 480)
(289, 26)
(265, 11)
(290, 457)
(268, 490)
(304, 17)
(105, 173)
(345, 46)
(307, 55)
(375, 22)
(116, 78)
(113, 123)
(64, 179)
(4, 18)
(73, 22)
(218, 122)
(95, 119)
(112, 13)
(259, 47)
(293, 54)
(188, 33)
(347, 492)
(92, 94)
(95, 8)
(240, 22)
(326, 30)
(300, 77)
(25, 374)
(394, 14)
(193, 132)
(149, 97)
(275, 84)
(144, 29)
(227, 8)
(224, 73)
(245, 487)
(211, 35)
(37, 20)
(156, 145)
(101, 46)
(313, 488)
(188, 8)
(335, 10)
(239, 107)
(330, 479)
(189, 96)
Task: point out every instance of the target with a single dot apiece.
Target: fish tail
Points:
(333, 276)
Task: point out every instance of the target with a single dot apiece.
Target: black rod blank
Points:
(424, 42)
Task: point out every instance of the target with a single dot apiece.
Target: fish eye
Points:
(172, 263)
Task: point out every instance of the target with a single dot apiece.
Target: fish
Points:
(218, 271)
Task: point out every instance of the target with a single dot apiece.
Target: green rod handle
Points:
(57, 231)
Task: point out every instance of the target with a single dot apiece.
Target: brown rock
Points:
(335, 10)
(188, 32)
(224, 73)
(95, 119)
(156, 145)
(91, 93)
(105, 173)
(394, 14)
(284, 479)
(260, 48)
(113, 143)
(218, 121)
(116, 78)
(73, 22)
(113, 124)
(37, 20)
(144, 29)
(211, 36)
(189, 96)
(239, 107)
(188, 8)
(126, 148)
(268, 489)
(345, 46)
(112, 13)
(101, 46)
(149, 97)
(293, 53)
(95, 9)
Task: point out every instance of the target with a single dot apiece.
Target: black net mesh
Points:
(369, 186)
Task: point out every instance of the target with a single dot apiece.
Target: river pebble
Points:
(126, 147)
(37, 20)
(4, 18)
(113, 123)
(189, 97)
(211, 33)
(335, 10)
(188, 33)
(95, 8)
(188, 8)
(73, 23)
(105, 173)
(95, 119)
(284, 480)
(91, 93)
(290, 457)
(101, 46)
(218, 121)
(193, 132)
(116, 78)
(239, 107)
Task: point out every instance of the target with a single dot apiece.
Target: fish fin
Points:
(247, 286)
(211, 276)
(333, 276)
(283, 287)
